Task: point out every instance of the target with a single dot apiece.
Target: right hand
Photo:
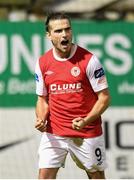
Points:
(40, 125)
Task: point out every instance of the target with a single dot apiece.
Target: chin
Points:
(64, 50)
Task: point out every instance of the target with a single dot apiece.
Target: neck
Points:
(62, 54)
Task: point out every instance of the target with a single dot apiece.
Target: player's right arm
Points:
(42, 108)
(42, 111)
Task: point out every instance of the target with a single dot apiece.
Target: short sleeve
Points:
(40, 85)
(96, 74)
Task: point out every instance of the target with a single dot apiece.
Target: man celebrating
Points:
(72, 94)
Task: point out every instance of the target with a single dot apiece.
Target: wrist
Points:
(86, 120)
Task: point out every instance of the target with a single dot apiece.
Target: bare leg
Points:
(48, 173)
(96, 175)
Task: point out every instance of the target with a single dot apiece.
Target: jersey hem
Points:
(76, 136)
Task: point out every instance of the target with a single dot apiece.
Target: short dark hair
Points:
(55, 16)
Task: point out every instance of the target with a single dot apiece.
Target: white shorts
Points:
(88, 153)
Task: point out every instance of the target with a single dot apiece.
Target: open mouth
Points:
(64, 42)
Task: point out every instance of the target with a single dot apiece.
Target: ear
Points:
(48, 35)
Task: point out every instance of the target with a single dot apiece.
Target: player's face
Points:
(60, 34)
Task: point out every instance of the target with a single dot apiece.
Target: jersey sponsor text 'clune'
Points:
(65, 88)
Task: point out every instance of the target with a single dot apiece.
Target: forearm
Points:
(100, 106)
(42, 109)
(96, 111)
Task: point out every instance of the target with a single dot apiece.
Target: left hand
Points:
(78, 123)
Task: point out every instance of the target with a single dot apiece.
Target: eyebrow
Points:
(60, 29)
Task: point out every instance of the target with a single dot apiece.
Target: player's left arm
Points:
(96, 75)
(100, 106)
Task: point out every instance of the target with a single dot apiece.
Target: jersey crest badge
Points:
(75, 71)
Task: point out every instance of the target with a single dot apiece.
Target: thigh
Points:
(52, 151)
(89, 154)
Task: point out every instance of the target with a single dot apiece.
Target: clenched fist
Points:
(40, 125)
(78, 123)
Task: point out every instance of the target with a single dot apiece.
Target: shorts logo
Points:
(75, 71)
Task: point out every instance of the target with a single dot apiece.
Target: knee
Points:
(48, 173)
(96, 175)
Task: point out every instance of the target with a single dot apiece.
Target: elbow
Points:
(108, 101)
(107, 97)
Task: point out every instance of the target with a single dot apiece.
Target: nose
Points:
(64, 33)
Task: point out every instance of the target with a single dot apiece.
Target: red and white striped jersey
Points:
(71, 85)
